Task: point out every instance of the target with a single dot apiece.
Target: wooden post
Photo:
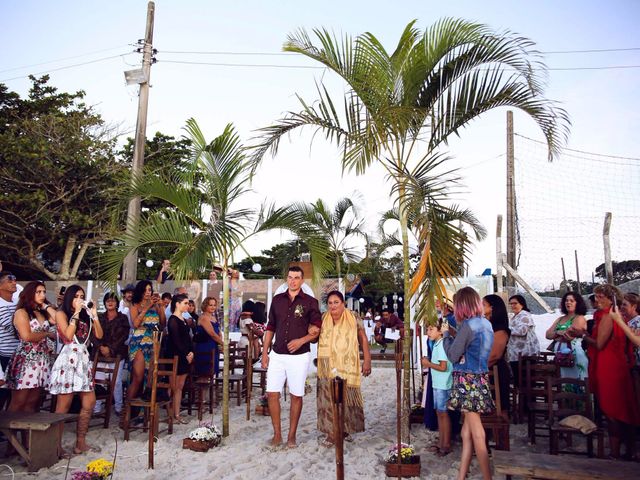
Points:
(154, 381)
(130, 266)
(564, 276)
(511, 200)
(608, 266)
(413, 369)
(578, 273)
(499, 285)
(337, 395)
(527, 287)
(249, 373)
(398, 358)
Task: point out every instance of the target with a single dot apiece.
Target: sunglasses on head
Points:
(10, 277)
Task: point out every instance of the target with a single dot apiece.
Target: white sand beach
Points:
(243, 455)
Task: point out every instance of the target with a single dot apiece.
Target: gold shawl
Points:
(339, 353)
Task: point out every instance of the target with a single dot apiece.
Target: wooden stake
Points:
(608, 266)
(398, 358)
(337, 395)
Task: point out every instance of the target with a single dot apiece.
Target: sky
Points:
(602, 103)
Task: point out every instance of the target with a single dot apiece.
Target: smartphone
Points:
(62, 290)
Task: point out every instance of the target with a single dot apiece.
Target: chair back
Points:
(105, 372)
(536, 375)
(204, 362)
(568, 396)
(494, 382)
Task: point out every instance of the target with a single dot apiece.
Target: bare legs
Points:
(294, 417)
(88, 401)
(473, 438)
(137, 375)
(177, 396)
(444, 432)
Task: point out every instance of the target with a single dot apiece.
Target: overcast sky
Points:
(602, 102)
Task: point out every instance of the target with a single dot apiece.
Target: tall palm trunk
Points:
(225, 371)
(406, 378)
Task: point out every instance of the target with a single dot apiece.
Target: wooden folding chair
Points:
(105, 375)
(496, 421)
(570, 396)
(536, 394)
(203, 362)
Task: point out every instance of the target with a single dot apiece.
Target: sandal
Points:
(180, 420)
(443, 453)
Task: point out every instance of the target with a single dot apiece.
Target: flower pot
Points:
(404, 469)
(262, 410)
(198, 445)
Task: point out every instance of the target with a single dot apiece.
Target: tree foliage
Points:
(58, 179)
(623, 271)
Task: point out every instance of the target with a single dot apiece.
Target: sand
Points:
(243, 455)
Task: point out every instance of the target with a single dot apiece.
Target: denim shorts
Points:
(440, 399)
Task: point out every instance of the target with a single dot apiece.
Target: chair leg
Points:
(553, 443)
(169, 418)
(107, 410)
(127, 418)
(200, 400)
(589, 446)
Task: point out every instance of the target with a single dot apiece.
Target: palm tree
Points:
(203, 225)
(337, 227)
(400, 108)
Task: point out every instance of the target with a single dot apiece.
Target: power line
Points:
(63, 59)
(184, 62)
(595, 50)
(617, 157)
(608, 67)
(69, 66)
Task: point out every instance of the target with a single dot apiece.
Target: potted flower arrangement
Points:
(203, 438)
(409, 465)
(99, 469)
(262, 408)
(417, 414)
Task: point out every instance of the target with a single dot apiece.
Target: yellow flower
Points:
(100, 466)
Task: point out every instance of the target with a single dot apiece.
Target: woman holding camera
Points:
(147, 316)
(29, 369)
(609, 374)
(76, 322)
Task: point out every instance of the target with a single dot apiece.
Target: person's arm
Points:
(441, 366)
(208, 328)
(21, 322)
(68, 326)
(266, 344)
(521, 325)
(605, 329)
(500, 340)
(550, 334)
(97, 328)
(138, 312)
(633, 338)
(366, 354)
(455, 348)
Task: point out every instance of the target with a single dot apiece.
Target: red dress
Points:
(610, 375)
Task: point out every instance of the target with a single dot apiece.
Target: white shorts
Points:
(292, 368)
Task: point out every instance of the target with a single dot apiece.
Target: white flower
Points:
(206, 433)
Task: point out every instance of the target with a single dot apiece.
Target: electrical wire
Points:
(595, 50)
(63, 59)
(264, 65)
(69, 66)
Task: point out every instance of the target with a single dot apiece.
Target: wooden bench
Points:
(42, 442)
(555, 467)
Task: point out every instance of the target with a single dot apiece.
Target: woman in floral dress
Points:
(147, 316)
(523, 339)
(29, 369)
(77, 321)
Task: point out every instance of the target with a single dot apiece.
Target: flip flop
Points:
(327, 443)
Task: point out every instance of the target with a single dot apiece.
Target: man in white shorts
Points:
(295, 320)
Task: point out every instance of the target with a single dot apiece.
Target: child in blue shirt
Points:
(441, 377)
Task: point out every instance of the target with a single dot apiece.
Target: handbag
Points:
(565, 359)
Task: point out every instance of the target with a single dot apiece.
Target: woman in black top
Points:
(496, 312)
(179, 344)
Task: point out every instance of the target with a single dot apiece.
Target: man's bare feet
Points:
(291, 443)
(276, 441)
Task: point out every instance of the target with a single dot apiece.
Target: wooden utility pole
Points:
(130, 267)
(608, 266)
(578, 274)
(511, 201)
(499, 254)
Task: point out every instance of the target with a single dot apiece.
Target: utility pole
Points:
(130, 266)
(511, 202)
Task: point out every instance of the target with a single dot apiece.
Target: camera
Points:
(88, 304)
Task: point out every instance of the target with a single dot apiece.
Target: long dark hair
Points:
(67, 303)
(499, 318)
(138, 293)
(259, 314)
(27, 299)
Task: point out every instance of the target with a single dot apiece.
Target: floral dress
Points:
(30, 365)
(142, 337)
(523, 339)
(72, 372)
